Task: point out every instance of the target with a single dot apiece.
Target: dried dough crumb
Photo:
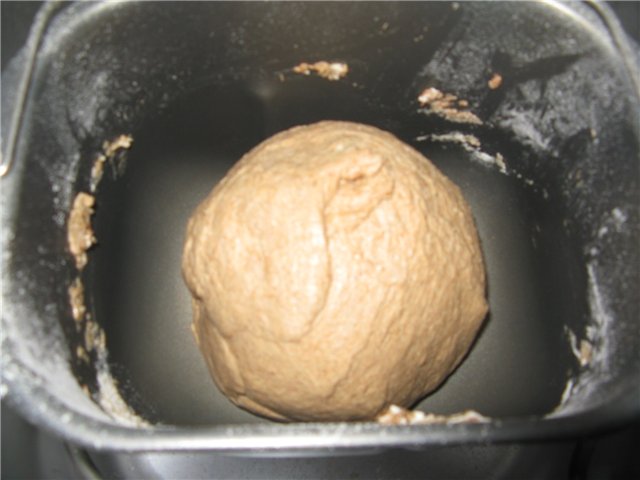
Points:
(109, 150)
(495, 81)
(120, 142)
(330, 71)
(81, 354)
(79, 232)
(76, 300)
(395, 415)
(446, 105)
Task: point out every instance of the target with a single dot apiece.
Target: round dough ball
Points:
(334, 271)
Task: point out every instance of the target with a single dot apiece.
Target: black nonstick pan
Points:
(550, 169)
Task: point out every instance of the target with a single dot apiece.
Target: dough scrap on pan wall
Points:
(334, 271)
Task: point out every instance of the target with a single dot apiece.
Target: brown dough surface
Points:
(334, 272)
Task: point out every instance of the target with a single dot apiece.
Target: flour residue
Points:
(109, 397)
(582, 350)
(598, 331)
(593, 352)
(471, 144)
(523, 127)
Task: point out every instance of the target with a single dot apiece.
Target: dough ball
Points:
(334, 271)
